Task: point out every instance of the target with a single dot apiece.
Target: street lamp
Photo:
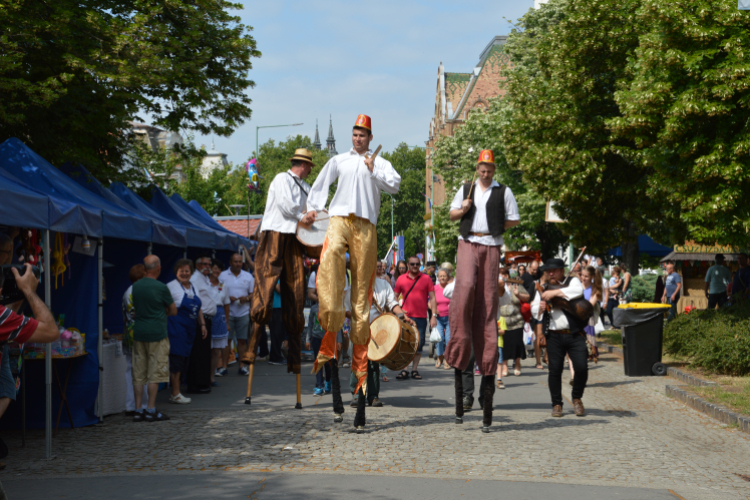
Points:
(257, 153)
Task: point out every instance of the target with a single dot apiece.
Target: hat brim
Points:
(302, 158)
(546, 268)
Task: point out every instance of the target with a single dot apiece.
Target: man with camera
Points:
(16, 327)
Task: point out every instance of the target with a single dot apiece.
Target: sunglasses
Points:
(413, 263)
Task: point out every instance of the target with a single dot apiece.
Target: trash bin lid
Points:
(643, 305)
(637, 313)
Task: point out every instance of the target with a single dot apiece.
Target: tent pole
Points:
(184, 254)
(150, 249)
(100, 342)
(47, 353)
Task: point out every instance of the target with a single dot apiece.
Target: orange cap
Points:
(486, 156)
(363, 121)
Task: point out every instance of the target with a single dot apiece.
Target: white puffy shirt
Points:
(558, 320)
(358, 191)
(383, 295)
(480, 224)
(286, 203)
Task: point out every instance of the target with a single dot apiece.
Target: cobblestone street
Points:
(632, 437)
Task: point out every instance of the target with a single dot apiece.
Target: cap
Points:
(486, 156)
(719, 257)
(363, 121)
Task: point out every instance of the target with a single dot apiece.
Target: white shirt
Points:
(219, 294)
(178, 292)
(202, 287)
(311, 281)
(285, 204)
(238, 286)
(448, 290)
(558, 320)
(480, 224)
(358, 191)
(383, 295)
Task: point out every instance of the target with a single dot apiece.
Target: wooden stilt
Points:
(249, 383)
(299, 392)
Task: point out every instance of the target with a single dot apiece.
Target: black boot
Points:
(359, 417)
(488, 389)
(459, 386)
(338, 404)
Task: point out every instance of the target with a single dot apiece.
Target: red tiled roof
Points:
(239, 226)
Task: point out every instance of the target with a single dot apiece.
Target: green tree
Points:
(687, 111)
(455, 159)
(569, 58)
(74, 73)
(408, 203)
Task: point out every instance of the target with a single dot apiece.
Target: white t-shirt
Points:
(238, 286)
(178, 292)
(311, 281)
(219, 294)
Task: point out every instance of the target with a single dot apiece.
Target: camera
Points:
(11, 293)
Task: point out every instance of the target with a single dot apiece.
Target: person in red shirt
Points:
(21, 329)
(415, 289)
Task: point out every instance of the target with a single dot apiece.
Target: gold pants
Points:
(359, 237)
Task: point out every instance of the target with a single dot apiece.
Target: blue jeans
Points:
(315, 344)
(422, 327)
(7, 382)
(445, 332)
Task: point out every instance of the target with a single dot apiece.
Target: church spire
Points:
(331, 142)
(316, 142)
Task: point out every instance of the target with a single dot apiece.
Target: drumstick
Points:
(251, 368)
(472, 185)
(376, 152)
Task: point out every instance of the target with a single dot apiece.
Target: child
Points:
(314, 334)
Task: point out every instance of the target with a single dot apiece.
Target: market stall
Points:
(692, 262)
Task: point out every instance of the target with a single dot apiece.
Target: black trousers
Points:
(199, 365)
(278, 335)
(467, 377)
(574, 345)
(715, 299)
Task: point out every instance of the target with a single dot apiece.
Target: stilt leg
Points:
(299, 392)
(338, 404)
(251, 368)
(488, 388)
(459, 385)
(359, 418)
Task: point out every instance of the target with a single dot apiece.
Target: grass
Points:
(734, 393)
(612, 337)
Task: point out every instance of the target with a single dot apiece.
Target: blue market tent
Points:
(19, 165)
(645, 245)
(162, 231)
(225, 240)
(21, 206)
(201, 212)
(198, 235)
(35, 171)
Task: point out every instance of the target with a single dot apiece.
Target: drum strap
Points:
(298, 183)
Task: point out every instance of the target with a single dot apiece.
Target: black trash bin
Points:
(642, 332)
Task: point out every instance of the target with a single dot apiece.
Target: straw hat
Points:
(302, 154)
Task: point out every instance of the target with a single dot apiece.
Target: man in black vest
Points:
(565, 335)
(486, 209)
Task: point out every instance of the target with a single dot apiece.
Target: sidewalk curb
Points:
(718, 412)
(689, 379)
(610, 348)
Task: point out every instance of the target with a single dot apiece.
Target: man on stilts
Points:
(280, 258)
(354, 215)
(486, 209)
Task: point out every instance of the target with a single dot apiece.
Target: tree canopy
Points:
(74, 73)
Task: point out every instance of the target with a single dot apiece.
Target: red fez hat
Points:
(486, 156)
(363, 121)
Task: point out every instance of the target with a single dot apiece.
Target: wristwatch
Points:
(401, 316)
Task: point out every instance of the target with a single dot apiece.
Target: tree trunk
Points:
(630, 250)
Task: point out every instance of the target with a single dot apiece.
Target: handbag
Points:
(435, 336)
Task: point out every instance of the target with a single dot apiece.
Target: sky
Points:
(337, 58)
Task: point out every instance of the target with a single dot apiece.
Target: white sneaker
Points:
(218, 373)
(179, 399)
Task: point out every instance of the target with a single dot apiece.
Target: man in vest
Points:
(564, 336)
(486, 209)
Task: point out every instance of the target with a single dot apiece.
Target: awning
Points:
(698, 257)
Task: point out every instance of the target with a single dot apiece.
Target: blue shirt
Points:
(671, 281)
(276, 300)
(718, 277)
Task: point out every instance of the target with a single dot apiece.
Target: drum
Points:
(393, 342)
(313, 236)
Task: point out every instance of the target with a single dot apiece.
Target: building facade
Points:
(457, 95)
